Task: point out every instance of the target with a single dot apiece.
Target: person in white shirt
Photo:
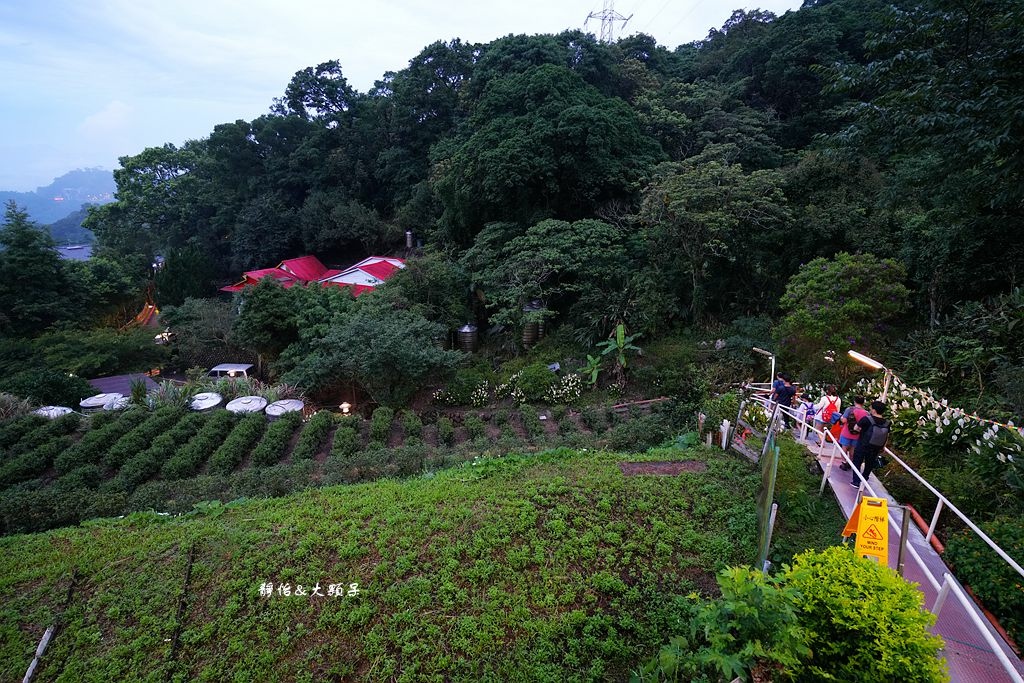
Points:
(827, 405)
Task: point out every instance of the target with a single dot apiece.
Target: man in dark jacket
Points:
(869, 444)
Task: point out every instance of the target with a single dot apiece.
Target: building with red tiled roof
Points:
(304, 270)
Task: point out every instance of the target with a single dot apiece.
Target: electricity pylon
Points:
(608, 17)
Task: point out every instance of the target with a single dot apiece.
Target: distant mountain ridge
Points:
(65, 195)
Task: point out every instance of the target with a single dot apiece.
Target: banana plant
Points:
(593, 369)
(618, 345)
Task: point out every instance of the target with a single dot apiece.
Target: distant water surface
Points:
(76, 253)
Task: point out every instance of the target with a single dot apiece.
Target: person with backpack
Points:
(825, 408)
(784, 396)
(848, 438)
(873, 433)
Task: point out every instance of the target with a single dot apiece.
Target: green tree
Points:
(540, 144)
(33, 287)
(186, 273)
(707, 221)
(390, 353)
(268, 321)
(847, 302)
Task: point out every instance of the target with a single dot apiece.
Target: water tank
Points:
(533, 331)
(468, 337)
(247, 404)
(286, 405)
(207, 400)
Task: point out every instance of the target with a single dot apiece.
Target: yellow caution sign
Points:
(873, 530)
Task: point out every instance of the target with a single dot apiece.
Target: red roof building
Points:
(361, 277)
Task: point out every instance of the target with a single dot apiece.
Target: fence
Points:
(949, 583)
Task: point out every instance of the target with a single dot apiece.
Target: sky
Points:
(84, 83)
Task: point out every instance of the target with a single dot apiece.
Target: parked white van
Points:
(230, 370)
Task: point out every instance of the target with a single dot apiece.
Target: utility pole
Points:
(608, 17)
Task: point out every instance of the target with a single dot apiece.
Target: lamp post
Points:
(874, 365)
(770, 355)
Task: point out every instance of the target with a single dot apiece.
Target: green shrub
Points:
(535, 381)
(640, 434)
(595, 418)
(864, 622)
(723, 407)
(500, 418)
(469, 387)
(829, 617)
(380, 426)
(445, 431)
(239, 442)
(187, 461)
(90, 448)
(475, 427)
(532, 423)
(996, 583)
(275, 439)
(567, 426)
(412, 425)
(313, 436)
(346, 442)
(558, 412)
(753, 626)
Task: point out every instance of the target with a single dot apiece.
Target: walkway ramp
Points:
(970, 658)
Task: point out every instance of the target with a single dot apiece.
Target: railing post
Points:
(935, 522)
(940, 599)
(904, 530)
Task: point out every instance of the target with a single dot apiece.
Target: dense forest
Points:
(634, 183)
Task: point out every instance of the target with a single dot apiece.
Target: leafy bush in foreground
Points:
(829, 617)
(346, 442)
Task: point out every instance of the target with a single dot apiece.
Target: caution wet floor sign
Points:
(870, 521)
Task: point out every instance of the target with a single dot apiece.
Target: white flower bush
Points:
(566, 390)
(920, 412)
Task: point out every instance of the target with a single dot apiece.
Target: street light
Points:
(874, 365)
(770, 355)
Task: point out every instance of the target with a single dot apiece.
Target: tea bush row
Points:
(313, 436)
(66, 424)
(144, 465)
(187, 461)
(275, 439)
(380, 426)
(91, 447)
(239, 442)
(139, 438)
(32, 463)
(12, 430)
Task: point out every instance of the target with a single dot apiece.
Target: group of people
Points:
(865, 430)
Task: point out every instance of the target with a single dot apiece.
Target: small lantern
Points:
(345, 407)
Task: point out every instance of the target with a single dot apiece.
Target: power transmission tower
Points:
(608, 17)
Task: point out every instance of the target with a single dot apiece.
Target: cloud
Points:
(113, 119)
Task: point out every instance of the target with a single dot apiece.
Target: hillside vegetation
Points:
(553, 567)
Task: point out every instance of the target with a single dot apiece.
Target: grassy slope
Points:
(551, 567)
